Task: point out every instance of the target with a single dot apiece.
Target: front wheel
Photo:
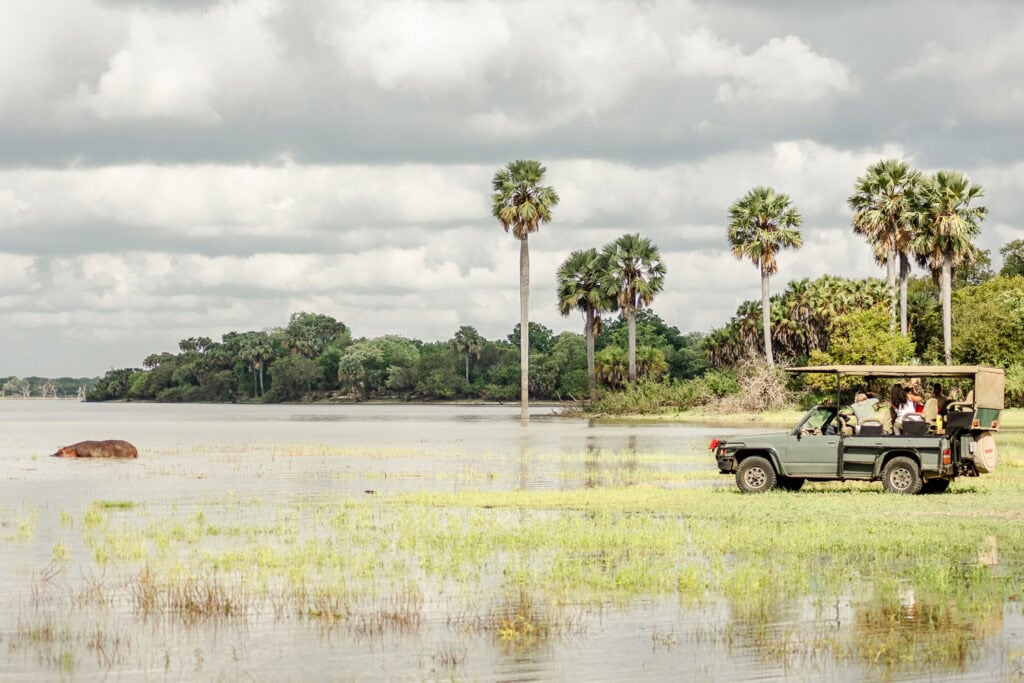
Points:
(936, 486)
(901, 475)
(755, 475)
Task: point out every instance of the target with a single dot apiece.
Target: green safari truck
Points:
(829, 444)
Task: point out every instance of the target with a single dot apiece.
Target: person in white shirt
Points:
(900, 406)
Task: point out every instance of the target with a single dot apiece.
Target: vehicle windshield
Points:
(817, 418)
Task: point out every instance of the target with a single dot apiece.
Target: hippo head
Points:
(65, 452)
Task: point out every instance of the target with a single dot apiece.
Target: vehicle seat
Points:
(914, 425)
(870, 428)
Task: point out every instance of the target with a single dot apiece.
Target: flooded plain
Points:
(398, 542)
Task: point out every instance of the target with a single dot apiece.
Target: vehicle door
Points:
(813, 448)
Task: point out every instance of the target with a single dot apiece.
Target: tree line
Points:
(315, 357)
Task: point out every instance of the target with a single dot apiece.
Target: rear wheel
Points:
(901, 475)
(936, 486)
(755, 475)
(790, 483)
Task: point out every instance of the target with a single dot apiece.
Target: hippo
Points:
(98, 449)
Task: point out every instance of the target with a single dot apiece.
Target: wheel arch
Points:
(888, 455)
(768, 454)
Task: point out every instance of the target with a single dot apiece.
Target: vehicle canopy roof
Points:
(988, 382)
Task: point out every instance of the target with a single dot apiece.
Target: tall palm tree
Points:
(947, 225)
(521, 204)
(467, 342)
(883, 203)
(582, 287)
(760, 223)
(635, 276)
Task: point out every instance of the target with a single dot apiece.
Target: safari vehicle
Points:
(826, 444)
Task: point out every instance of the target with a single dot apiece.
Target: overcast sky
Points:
(175, 168)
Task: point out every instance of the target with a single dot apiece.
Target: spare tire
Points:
(985, 456)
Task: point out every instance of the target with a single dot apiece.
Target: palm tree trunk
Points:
(467, 369)
(631, 319)
(591, 372)
(255, 387)
(904, 275)
(262, 390)
(890, 272)
(947, 314)
(766, 317)
(524, 330)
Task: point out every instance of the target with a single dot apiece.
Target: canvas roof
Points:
(900, 370)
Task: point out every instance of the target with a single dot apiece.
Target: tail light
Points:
(976, 423)
(714, 443)
(946, 456)
(995, 424)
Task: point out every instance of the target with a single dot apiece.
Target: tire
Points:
(901, 475)
(790, 483)
(755, 475)
(936, 486)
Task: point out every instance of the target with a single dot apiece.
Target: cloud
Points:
(187, 67)
(783, 70)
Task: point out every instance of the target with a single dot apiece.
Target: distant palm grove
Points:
(959, 310)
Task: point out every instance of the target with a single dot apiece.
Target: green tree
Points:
(521, 204)
(309, 334)
(864, 337)
(990, 322)
(883, 203)
(975, 269)
(293, 376)
(760, 224)
(1013, 258)
(635, 275)
(467, 342)
(581, 287)
(541, 337)
(947, 227)
(375, 365)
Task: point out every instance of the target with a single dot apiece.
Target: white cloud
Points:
(783, 70)
(431, 47)
(188, 67)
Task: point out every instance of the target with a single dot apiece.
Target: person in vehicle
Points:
(863, 409)
(899, 407)
(913, 392)
(935, 406)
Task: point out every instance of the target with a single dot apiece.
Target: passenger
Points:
(935, 406)
(899, 405)
(864, 408)
(940, 398)
(913, 392)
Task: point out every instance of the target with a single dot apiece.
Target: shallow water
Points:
(285, 466)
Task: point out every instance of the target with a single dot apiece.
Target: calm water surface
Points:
(192, 456)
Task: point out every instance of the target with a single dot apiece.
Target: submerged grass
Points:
(921, 579)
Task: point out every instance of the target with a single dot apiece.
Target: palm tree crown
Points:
(519, 201)
(883, 204)
(761, 223)
(635, 276)
(582, 287)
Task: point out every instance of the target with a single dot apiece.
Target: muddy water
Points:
(65, 614)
